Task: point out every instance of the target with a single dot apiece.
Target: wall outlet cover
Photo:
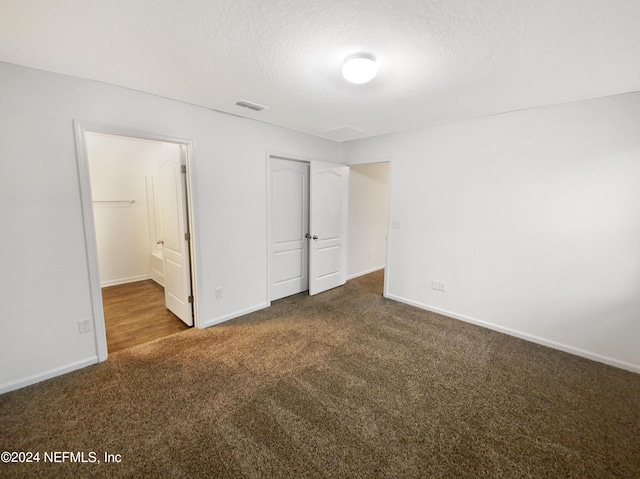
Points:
(84, 325)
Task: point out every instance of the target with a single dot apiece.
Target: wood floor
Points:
(135, 313)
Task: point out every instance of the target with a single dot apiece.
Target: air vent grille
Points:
(251, 105)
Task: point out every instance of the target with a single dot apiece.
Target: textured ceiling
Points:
(440, 60)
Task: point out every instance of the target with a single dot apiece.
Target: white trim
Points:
(91, 245)
(82, 160)
(526, 336)
(131, 279)
(237, 314)
(362, 273)
(36, 378)
(267, 204)
(387, 258)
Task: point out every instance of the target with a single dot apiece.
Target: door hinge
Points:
(183, 168)
(187, 236)
(190, 298)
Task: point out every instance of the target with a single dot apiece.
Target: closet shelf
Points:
(115, 202)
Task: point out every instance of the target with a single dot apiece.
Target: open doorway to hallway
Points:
(141, 222)
(368, 221)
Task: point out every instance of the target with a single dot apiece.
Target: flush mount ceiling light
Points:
(360, 68)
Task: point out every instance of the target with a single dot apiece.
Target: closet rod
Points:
(116, 202)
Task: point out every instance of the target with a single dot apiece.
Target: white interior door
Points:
(177, 281)
(289, 223)
(329, 194)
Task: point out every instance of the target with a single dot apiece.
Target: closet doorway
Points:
(138, 220)
(307, 204)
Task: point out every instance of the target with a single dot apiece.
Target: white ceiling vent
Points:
(251, 106)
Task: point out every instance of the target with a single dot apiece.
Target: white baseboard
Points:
(362, 273)
(526, 336)
(237, 314)
(132, 279)
(36, 378)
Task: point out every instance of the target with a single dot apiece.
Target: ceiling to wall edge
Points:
(324, 134)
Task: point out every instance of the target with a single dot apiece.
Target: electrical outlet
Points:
(439, 285)
(218, 292)
(84, 325)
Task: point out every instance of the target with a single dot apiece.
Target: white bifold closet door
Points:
(329, 193)
(289, 223)
(308, 224)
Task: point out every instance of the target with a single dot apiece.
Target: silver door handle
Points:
(315, 237)
(308, 236)
(160, 242)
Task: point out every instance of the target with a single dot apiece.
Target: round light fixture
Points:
(360, 68)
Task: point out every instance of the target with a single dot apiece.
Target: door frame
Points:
(279, 156)
(86, 201)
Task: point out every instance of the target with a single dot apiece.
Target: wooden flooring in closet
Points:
(135, 313)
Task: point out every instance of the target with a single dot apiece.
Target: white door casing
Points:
(289, 223)
(329, 196)
(82, 158)
(177, 283)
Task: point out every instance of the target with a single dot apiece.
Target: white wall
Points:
(368, 214)
(44, 278)
(119, 169)
(532, 218)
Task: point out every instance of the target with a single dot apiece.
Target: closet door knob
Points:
(308, 236)
(160, 242)
(315, 237)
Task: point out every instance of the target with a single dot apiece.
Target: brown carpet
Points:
(344, 384)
